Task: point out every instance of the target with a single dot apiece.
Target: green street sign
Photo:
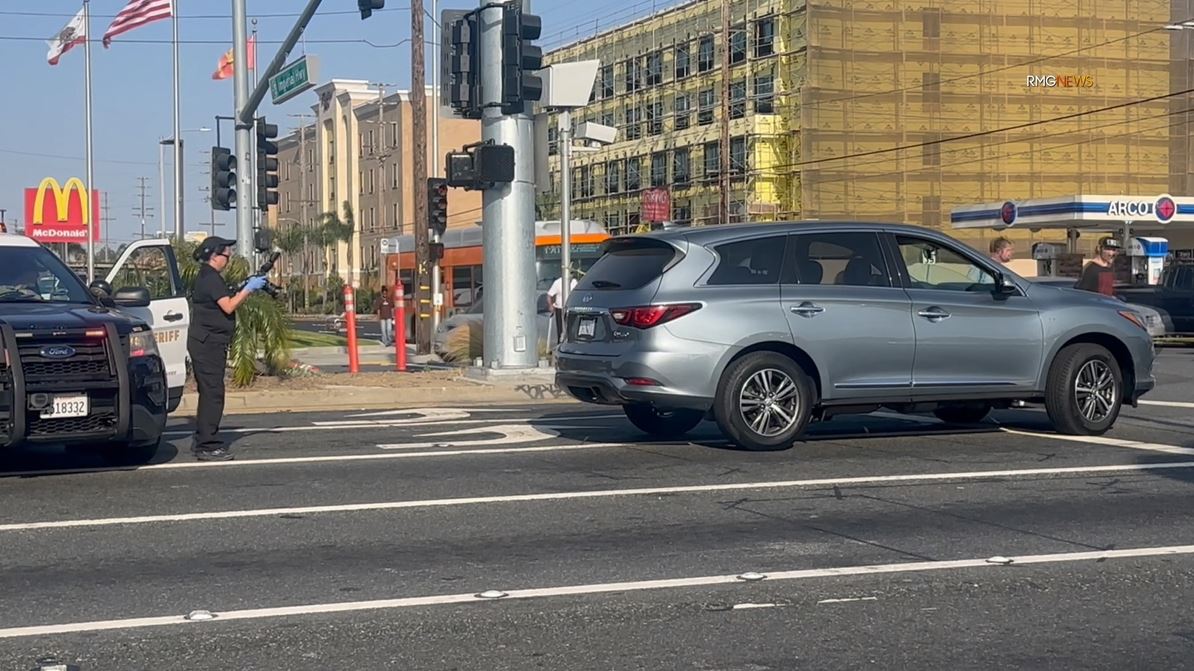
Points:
(294, 79)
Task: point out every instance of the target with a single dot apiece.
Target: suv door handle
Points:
(172, 316)
(933, 314)
(807, 309)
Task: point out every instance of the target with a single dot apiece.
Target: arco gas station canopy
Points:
(1139, 215)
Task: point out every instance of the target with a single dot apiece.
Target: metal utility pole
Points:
(724, 144)
(245, 189)
(107, 220)
(418, 105)
(565, 209)
(436, 281)
(305, 223)
(508, 216)
(87, 207)
(380, 180)
(142, 210)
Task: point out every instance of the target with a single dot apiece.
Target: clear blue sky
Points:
(41, 107)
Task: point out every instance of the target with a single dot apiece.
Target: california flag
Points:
(74, 33)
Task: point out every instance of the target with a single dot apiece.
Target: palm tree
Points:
(336, 230)
(291, 241)
(261, 323)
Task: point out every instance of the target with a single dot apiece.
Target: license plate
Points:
(67, 406)
(587, 327)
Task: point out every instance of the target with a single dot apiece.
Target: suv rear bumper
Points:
(605, 390)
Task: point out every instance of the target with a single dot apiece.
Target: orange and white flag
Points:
(224, 68)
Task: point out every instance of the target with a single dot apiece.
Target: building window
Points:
(633, 130)
(765, 93)
(683, 61)
(659, 169)
(586, 181)
(553, 137)
(931, 88)
(575, 183)
(633, 174)
(712, 159)
(683, 214)
(372, 141)
(931, 23)
(738, 44)
(738, 164)
(634, 75)
(705, 108)
(393, 134)
(613, 222)
(394, 223)
(738, 99)
(632, 221)
(682, 115)
(394, 176)
(765, 37)
(655, 118)
(682, 166)
(607, 81)
(655, 68)
(705, 54)
(613, 177)
(607, 119)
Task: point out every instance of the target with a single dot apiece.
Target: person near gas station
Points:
(385, 316)
(1002, 251)
(1099, 275)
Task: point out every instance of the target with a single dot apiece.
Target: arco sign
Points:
(1161, 209)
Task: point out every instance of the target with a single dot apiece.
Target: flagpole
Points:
(89, 205)
(179, 163)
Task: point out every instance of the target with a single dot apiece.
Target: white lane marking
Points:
(748, 606)
(1103, 440)
(429, 413)
(375, 424)
(850, 600)
(1168, 404)
(593, 494)
(510, 434)
(315, 460)
(583, 590)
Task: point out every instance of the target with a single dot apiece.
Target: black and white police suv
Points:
(90, 367)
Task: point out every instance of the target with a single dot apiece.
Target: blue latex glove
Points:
(255, 283)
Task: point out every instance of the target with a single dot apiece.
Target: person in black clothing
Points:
(1099, 275)
(213, 321)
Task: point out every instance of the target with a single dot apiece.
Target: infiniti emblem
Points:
(587, 298)
(58, 352)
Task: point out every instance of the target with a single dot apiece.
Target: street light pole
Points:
(162, 182)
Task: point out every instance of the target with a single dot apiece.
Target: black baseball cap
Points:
(1110, 243)
(211, 245)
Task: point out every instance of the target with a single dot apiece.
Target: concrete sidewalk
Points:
(334, 394)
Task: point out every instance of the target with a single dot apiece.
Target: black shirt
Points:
(1097, 278)
(207, 318)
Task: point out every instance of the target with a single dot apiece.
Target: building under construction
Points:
(882, 109)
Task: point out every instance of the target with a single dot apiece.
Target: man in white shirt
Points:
(553, 303)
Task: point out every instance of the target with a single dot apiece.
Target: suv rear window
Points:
(628, 264)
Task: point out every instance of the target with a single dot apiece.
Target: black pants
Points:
(559, 316)
(209, 360)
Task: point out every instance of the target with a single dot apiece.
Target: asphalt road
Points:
(361, 541)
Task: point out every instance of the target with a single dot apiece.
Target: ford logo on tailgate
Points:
(58, 352)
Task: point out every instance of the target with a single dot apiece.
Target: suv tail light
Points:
(651, 315)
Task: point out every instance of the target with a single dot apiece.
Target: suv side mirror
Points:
(132, 297)
(100, 288)
(1004, 286)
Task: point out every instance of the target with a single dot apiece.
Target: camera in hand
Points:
(270, 288)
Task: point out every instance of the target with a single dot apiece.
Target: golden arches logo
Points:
(61, 199)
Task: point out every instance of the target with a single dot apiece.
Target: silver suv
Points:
(767, 327)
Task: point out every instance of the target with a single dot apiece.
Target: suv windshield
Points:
(35, 275)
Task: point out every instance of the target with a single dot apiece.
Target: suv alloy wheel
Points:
(764, 401)
(1084, 391)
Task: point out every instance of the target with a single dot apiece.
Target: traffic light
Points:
(367, 7)
(520, 58)
(437, 205)
(223, 179)
(267, 164)
(460, 71)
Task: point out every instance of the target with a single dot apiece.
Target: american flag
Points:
(136, 14)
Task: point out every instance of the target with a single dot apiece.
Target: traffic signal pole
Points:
(511, 335)
(244, 141)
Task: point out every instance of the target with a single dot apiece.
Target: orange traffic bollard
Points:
(350, 317)
(400, 326)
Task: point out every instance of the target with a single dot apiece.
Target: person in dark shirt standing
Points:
(213, 322)
(1099, 275)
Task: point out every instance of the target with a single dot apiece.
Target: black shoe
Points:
(219, 454)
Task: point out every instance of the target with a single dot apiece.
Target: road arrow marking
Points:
(510, 434)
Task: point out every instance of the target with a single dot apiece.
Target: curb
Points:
(373, 398)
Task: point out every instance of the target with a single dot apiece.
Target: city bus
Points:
(461, 269)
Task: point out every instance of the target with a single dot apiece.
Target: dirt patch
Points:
(395, 380)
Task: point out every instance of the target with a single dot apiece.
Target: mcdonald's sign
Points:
(56, 213)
